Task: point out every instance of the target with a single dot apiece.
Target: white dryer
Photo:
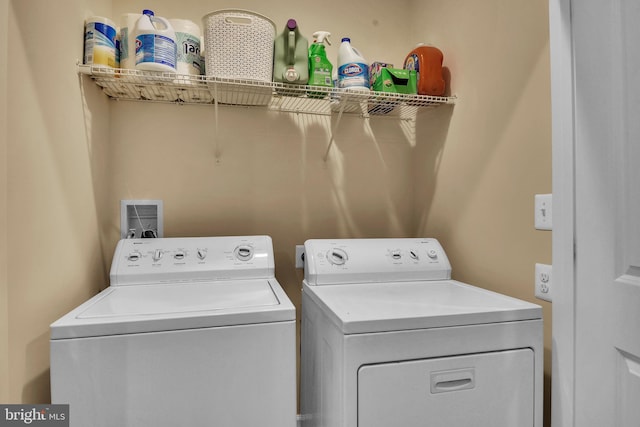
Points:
(388, 339)
(191, 332)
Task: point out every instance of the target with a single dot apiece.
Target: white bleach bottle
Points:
(353, 71)
(155, 42)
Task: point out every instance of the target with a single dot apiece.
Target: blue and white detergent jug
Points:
(353, 71)
(155, 43)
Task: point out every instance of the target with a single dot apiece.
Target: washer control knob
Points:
(134, 256)
(243, 252)
(414, 255)
(179, 255)
(337, 256)
(157, 255)
(201, 253)
(396, 254)
(431, 253)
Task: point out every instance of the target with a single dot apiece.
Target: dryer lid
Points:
(175, 306)
(393, 306)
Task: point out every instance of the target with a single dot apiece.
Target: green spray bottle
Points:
(320, 69)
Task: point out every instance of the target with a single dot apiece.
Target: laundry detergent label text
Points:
(34, 415)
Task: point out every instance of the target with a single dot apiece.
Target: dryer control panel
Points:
(344, 261)
(188, 259)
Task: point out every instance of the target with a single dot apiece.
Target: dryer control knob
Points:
(201, 253)
(432, 254)
(243, 252)
(337, 256)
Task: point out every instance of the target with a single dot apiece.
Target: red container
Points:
(427, 61)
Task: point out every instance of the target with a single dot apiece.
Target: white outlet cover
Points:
(544, 282)
(299, 256)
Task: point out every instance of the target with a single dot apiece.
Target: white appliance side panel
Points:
(322, 374)
(227, 376)
(479, 390)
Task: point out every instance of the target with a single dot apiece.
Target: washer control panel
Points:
(139, 261)
(344, 261)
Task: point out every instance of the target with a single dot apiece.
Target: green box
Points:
(394, 80)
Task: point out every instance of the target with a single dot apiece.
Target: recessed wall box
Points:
(141, 219)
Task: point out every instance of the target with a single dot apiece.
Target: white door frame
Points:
(563, 240)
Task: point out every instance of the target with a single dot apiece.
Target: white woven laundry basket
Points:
(239, 44)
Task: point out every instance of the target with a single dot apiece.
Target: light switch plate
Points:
(543, 212)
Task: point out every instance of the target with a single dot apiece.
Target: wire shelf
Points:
(125, 84)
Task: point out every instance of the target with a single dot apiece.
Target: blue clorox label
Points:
(99, 44)
(105, 33)
(353, 74)
(352, 70)
(155, 48)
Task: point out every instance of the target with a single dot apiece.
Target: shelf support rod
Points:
(333, 131)
(216, 152)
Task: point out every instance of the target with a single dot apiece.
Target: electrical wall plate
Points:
(544, 282)
(141, 219)
(299, 256)
(543, 211)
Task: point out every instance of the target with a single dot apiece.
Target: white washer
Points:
(389, 340)
(191, 332)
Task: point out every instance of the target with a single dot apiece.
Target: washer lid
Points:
(383, 307)
(174, 306)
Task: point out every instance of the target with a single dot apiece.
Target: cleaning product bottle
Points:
(188, 46)
(155, 43)
(320, 68)
(291, 56)
(100, 42)
(427, 61)
(353, 71)
(128, 40)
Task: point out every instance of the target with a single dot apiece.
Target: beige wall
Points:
(53, 141)
(270, 178)
(465, 174)
(4, 306)
(476, 185)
